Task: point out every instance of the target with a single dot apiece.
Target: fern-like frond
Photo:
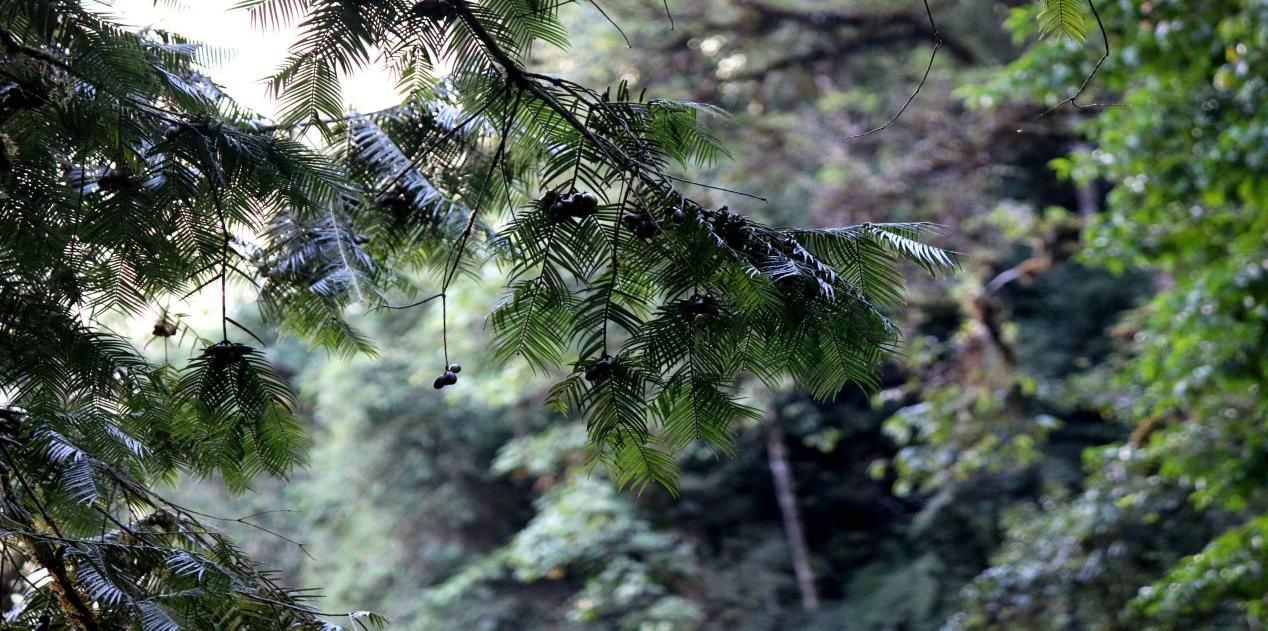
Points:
(1063, 18)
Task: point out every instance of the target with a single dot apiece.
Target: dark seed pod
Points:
(225, 353)
(567, 204)
(114, 180)
(455, 368)
(393, 201)
(678, 216)
(646, 229)
(447, 379)
(549, 200)
(558, 207)
(171, 132)
(163, 328)
(437, 10)
(600, 370)
(584, 205)
(699, 305)
(631, 220)
(360, 239)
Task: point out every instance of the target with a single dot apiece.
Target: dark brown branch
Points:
(47, 556)
(532, 84)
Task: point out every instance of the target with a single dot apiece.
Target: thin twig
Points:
(410, 305)
(613, 23)
(713, 187)
(1091, 75)
(224, 266)
(937, 45)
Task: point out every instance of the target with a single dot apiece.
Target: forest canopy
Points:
(747, 423)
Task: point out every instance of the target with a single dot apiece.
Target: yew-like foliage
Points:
(129, 181)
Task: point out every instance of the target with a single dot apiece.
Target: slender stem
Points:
(224, 266)
(529, 82)
(937, 45)
(1073, 100)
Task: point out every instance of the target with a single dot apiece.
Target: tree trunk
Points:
(786, 494)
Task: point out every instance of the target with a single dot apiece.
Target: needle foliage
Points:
(129, 180)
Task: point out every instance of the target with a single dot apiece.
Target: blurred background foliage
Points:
(1074, 439)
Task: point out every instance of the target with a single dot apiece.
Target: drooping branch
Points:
(937, 45)
(1073, 99)
(74, 603)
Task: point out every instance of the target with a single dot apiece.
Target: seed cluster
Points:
(600, 370)
(698, 305)
(642, 225)
(163, 328)
(434, 10)
(733, 228)
(226, 353)
(569, 205)
(115, 180)
(449, 378)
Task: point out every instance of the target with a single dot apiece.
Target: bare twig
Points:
(410, 305)
(1091, 75)
(937, 45)
(613, 23)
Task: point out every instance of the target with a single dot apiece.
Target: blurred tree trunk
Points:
(786, 494)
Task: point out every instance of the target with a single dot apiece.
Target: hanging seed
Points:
(600, 370)
(436, 10)
(631, 220)
(163, 328)
(549, 200)
(393, 201)
(699, 305)
(646, 229)
(447, 379)
(558, 207)
(225, 353)
(114, 180)
(584, 205)
(455, 368)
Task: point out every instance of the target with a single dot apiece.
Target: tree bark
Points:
(786, 494)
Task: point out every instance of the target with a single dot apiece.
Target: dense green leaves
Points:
(130, 181)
